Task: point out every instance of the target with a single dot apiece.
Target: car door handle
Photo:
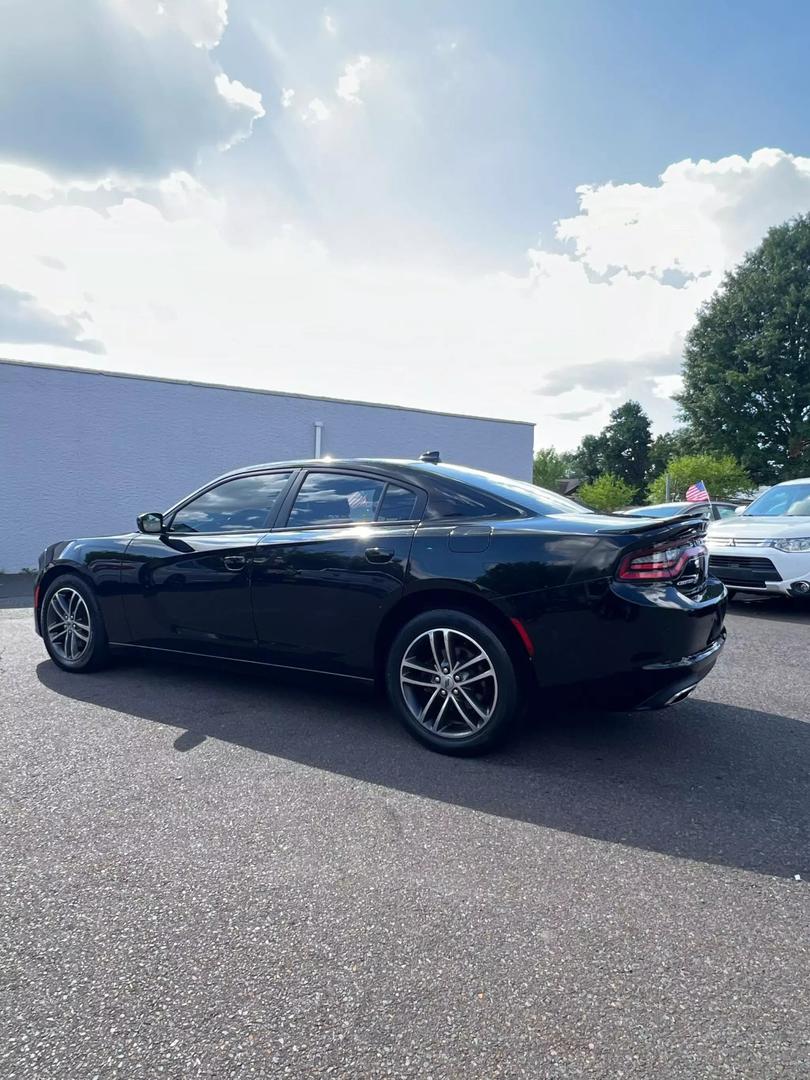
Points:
(375, 554)
(235, 562)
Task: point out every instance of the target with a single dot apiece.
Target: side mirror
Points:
(150, 523)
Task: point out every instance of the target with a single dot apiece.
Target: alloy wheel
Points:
(68, 625)
(449, 683)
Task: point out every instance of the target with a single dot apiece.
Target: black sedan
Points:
(465, 594)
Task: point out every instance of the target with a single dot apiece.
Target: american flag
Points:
(358, 500)
(697, 493)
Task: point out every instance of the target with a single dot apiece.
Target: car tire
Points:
(72, 626)
(731, 593)
(464, 704)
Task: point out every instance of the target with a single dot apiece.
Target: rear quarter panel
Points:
(557, 576)
(519, 556)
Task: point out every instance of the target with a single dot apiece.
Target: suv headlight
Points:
(792, 543)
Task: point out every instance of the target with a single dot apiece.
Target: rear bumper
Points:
(620, 646)
(678, 679)
(655, 686)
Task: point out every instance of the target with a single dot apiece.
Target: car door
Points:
(334, 564)
(188, 588)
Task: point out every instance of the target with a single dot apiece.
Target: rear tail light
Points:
(663, 562)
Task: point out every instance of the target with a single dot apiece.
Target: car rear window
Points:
(480, 494)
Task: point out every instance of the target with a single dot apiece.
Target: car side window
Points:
(399, 504)
(234, 506)
(724, 511)
(329, 498)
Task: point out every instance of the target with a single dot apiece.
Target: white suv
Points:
(766, 548)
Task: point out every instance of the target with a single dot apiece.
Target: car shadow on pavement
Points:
(703, 781)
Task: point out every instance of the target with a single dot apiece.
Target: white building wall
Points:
(83, 452)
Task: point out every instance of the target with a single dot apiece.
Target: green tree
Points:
(622, 449)
(606, 493)
(590, 457)
(550, 466)
(667, 447)
(747, 359)
(723, 476)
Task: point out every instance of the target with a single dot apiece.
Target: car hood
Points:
(754, 528)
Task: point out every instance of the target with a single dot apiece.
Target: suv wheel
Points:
(452, 682)
(72, 626)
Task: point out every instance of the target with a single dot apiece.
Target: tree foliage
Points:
(747, 359)
(606, 493)
(667, 447)
(723, 476)
(621, 450)
(550, 466)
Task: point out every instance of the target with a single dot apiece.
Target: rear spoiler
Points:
(670, 528)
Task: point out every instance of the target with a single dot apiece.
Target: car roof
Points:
(394, 466)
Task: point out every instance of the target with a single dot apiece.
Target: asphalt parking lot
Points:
(211, 873)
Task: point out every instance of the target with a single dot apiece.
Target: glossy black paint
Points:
(319, 594)
(190, 592)
(329, 597)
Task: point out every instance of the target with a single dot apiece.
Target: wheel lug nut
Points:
(455, 691)
(444, 693)
(456, 677)
(446, 670)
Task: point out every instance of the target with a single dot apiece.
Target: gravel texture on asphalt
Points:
(214, 873)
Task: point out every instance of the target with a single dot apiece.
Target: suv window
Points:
(336, 499)
(234, 506)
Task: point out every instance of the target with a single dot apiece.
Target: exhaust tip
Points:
(681, 695)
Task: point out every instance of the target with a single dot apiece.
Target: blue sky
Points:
(538, 98)
(474, 206)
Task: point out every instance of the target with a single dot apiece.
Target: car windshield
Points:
(537, 499)
(784, 500)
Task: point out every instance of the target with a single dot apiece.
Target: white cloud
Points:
(329, 24)
(19, 181)
(175, 195)
(238, 97)
(316, 112)
(203, 21)
(354, 75)
(24, 320)
(560, 343)
(116, 88)
(287, 96)
(703, 215)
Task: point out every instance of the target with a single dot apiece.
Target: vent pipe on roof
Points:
(318, 425)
